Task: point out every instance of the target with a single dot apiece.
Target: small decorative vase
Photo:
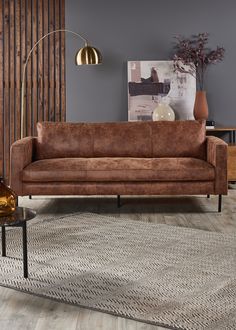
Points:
(163, 112)
(7, 199)
(200, 106)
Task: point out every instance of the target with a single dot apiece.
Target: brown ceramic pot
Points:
(200, 106)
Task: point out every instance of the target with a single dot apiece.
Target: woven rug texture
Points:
(170, 276)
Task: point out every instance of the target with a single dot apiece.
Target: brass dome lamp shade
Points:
(88, 55)
(85, 56)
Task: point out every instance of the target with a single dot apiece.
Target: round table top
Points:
(21, 214)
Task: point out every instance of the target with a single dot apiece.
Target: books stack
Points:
(210, 124)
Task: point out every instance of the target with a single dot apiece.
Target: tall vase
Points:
(7, 199)
(200, 106)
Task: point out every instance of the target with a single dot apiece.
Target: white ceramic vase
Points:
(163, 112)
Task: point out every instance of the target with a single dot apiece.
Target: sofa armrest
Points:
(217, 156)
(21, 156)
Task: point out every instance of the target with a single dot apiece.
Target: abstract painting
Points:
(154, 82)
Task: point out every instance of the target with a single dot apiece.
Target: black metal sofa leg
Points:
(118, 201)
(208, 196)
(219, 203)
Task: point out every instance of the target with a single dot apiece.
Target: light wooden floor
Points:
(24, 311)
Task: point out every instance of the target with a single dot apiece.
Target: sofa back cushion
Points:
(179, 139)
(60, 140)
(121, 139)
(63, 140)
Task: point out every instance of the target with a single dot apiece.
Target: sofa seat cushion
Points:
(118, 169)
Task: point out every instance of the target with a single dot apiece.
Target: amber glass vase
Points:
(7, 199)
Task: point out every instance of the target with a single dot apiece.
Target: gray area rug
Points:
(170, 276)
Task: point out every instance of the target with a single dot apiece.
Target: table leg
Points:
(25, 257)
(3, 241)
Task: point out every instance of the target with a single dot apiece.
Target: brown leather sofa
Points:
(124, 158)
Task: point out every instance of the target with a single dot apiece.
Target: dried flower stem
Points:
(193, 57)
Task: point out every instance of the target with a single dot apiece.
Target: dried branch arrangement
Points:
(192, 56)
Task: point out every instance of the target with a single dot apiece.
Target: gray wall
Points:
(143, 30)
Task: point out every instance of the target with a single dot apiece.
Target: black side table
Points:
(18, 219)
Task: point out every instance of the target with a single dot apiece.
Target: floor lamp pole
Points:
(86, 55)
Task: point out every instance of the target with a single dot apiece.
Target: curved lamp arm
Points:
(25, 65)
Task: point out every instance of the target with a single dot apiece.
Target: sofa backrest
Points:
(121, 139)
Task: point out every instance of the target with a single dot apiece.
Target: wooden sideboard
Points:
(231, 131)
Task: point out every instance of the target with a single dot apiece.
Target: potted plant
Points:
(192, 56)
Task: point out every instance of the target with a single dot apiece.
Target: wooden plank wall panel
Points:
(18, 68)
(22, 23)
(6, 84)
(57, 64)
(63, 66)
(34, 59)
(12, 72)
(45, 62)
(51, 63)
(1, 86)
(29, 44)
(40, 61)
(23, 50)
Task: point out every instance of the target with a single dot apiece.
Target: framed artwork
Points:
(152, 82)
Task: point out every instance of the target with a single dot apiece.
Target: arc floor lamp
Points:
(85, 56)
